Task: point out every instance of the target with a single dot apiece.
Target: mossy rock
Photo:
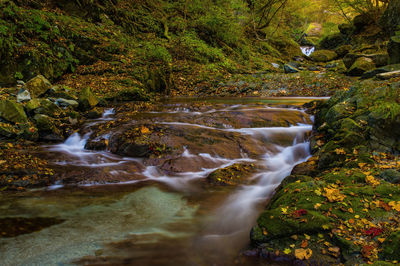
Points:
(332, 41)
(7, 131)
(391, 176)
(338, 111)
(130, 94)
(38, 86)
(323, 56)
(231, 175)
(391, 247)
(87, 99)
(12, 111)
(32, 105)
(360, 66)
(48, 108)
(343, 50)
(394, 49)
(272, 224)
(44, 123)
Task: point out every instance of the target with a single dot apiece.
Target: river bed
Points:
(113, 209)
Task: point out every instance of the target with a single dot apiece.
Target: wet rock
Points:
(323, 55)
(308, 168)
(38, 86)
(332, 65)
(360, 66)
(231, 175)
(23, 96)
(385, 69)
(394, 49)
(12, 111)
(65, 103)
(60, 92)
(391, 176)
(87, 100)
(290, 69)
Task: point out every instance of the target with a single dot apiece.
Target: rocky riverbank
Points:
(343, 204)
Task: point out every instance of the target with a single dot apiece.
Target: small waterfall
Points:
(307, 50)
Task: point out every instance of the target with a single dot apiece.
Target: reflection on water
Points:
(153, 216)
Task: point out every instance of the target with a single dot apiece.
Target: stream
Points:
(113, 208)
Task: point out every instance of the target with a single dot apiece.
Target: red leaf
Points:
(299, 213)
(373, 231)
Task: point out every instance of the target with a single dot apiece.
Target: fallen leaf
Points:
(303, 254)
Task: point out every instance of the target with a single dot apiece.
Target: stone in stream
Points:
(38, 86)
(32, 105)
(12, 111)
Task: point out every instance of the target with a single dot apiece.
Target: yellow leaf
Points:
(284, 210)
(340, 151)
(287, 251)
(317, 205)
(318, 192)
(333, 194)
(303, 254)
(370, 180)
(144, 130)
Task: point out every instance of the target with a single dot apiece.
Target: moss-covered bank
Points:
(342, 205)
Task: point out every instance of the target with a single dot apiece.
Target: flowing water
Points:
(113, 210)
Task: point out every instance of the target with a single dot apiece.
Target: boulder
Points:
(379, 59)
(343, 50)
(391, 247)
(44, 123)
(12, 111)
(332, 41)
(87, 99)
(65, 103)
(394, 50)
(49, 108)
(346, 29)
(7, 131)
(361, 21)
(323, 56)
(290, 69)
(360, 66)
(23, 96)
(32, 105)
(38, 86)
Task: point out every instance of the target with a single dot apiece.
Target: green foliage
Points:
(197, 50)
(154, 52)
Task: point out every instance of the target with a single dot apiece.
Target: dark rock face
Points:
(12, 111)
(394, 50)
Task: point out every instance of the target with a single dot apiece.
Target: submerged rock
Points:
(13, 112)
(65, 103)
